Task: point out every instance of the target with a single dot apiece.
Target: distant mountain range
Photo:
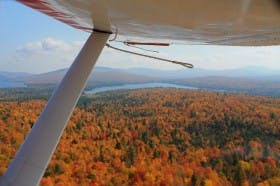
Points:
(135, 75)
(252, 80)
(12, 76)
(247, 72)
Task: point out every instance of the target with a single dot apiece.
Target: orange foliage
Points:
(156, 137)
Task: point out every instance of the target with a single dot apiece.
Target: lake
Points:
(10, 84)
(137, 86)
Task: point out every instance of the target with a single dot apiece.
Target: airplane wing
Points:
(215, 22)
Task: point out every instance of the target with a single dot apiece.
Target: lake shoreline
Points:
(135, 86)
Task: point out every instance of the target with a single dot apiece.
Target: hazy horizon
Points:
(254, 68)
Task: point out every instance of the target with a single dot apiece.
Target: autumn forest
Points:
(156, 137)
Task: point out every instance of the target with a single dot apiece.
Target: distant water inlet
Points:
(11, 84)
(137, 86)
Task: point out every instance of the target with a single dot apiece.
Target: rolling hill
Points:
(100, 74)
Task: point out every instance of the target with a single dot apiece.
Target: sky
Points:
(35, 43)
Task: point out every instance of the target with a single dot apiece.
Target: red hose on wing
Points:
(144, 43)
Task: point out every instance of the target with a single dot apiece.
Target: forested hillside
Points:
(157, 137)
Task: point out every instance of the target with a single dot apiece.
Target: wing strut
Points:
(30, 162)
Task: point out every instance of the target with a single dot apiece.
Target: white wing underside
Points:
(215, 22)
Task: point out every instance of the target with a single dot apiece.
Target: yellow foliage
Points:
(208, 182)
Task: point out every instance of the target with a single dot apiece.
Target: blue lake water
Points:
(10, 84)
(137, 86)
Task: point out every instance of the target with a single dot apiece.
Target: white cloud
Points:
(52, 44)
(45, 55)
(47, 45)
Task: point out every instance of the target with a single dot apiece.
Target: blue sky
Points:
(33, 42)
